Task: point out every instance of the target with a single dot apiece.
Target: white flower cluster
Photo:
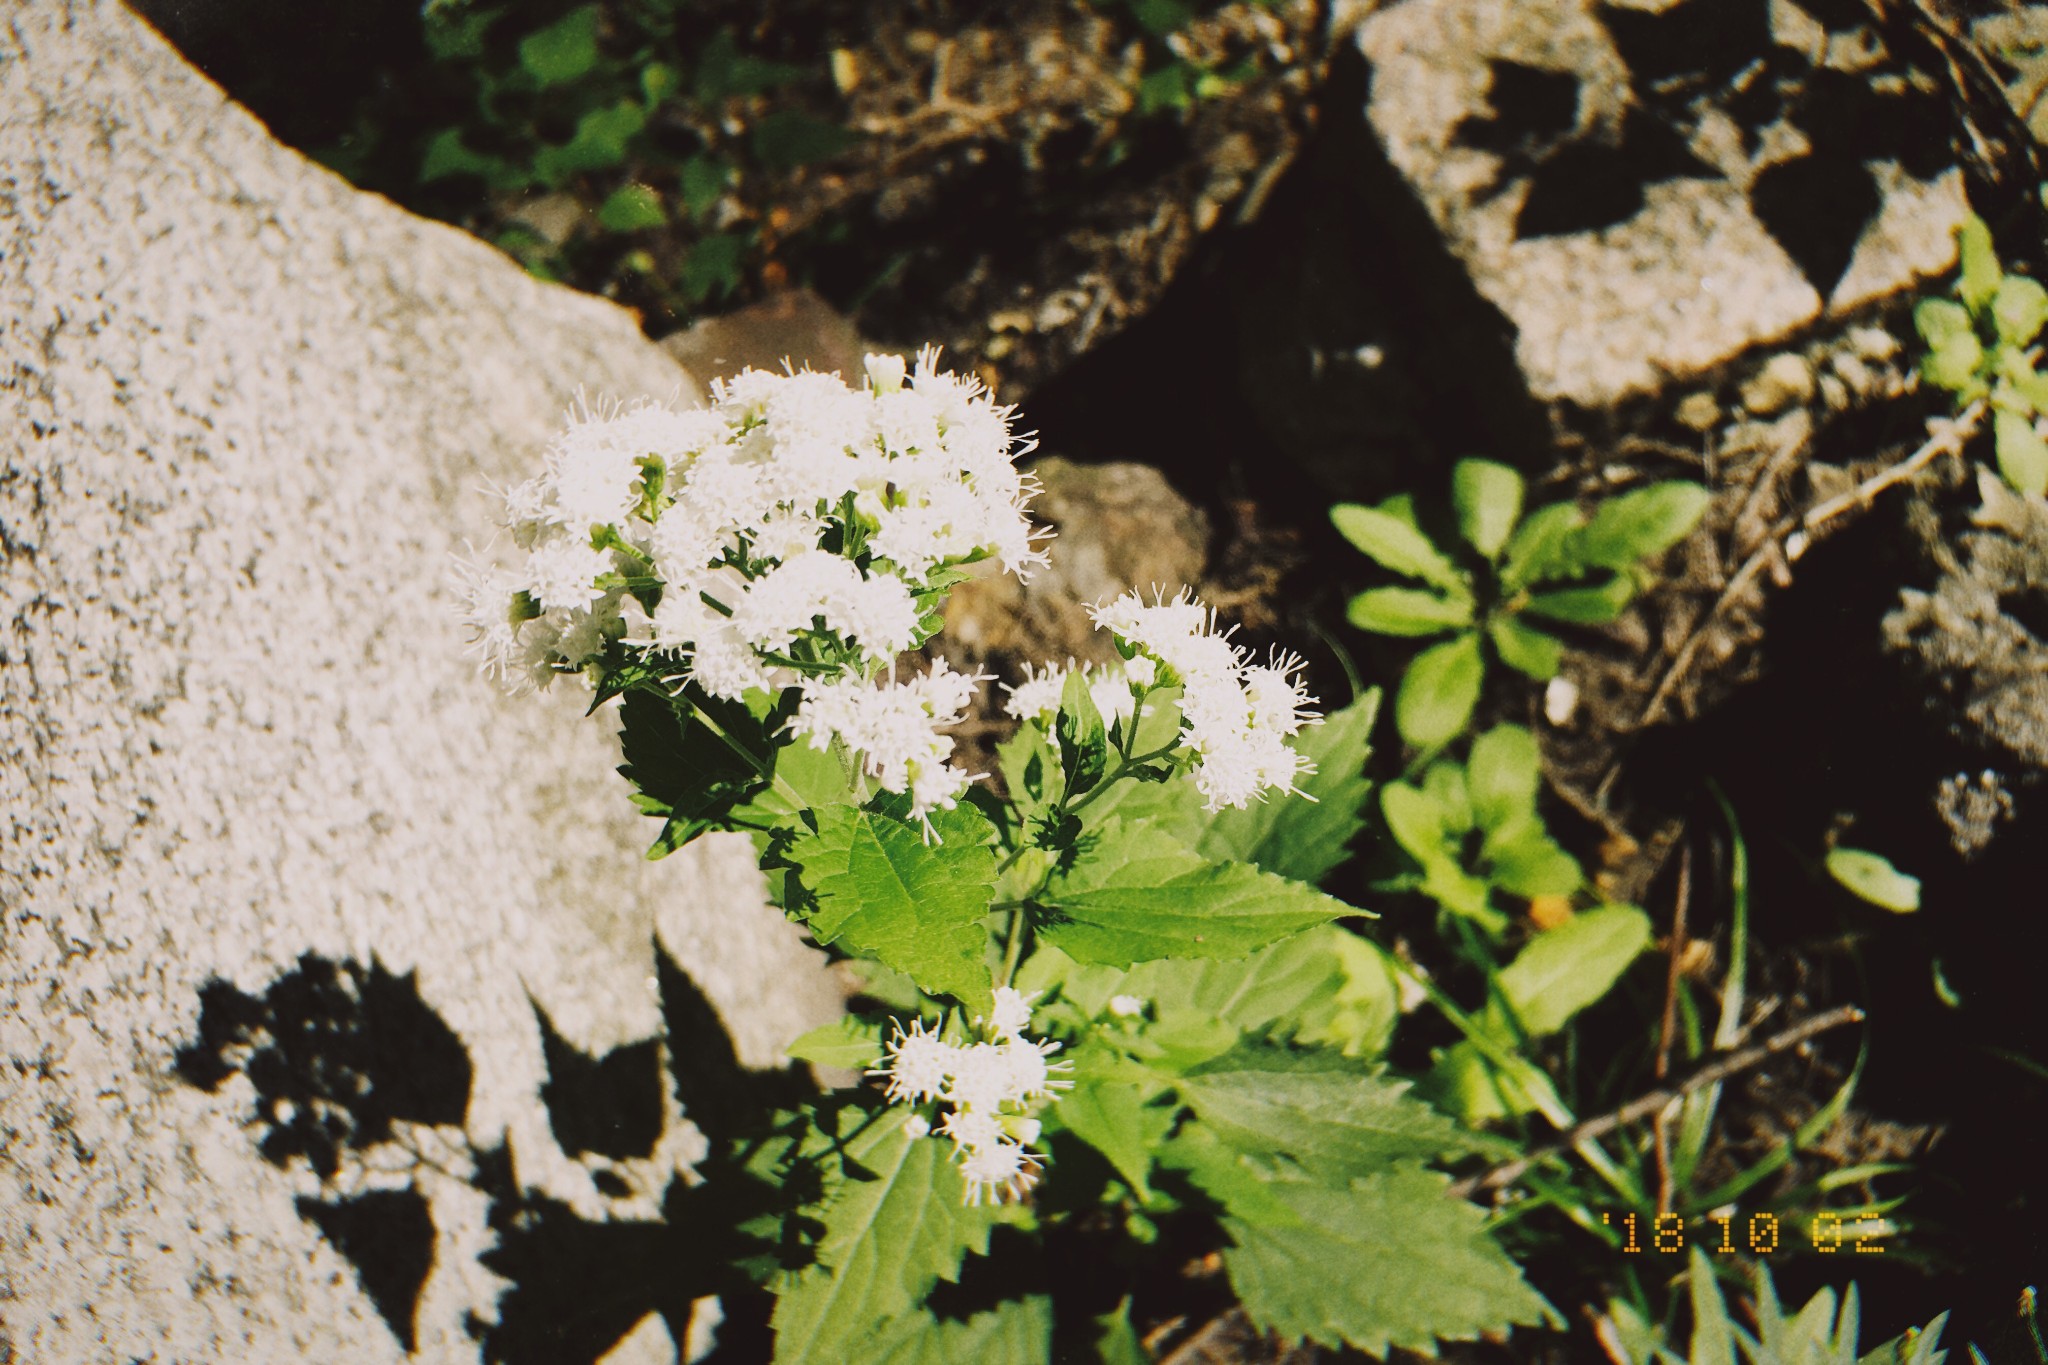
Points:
(782, 534)
(989, 1087)
(1237, 716)
(1113, 688)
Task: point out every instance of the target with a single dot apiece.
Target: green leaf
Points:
(629, 208)
(1329, 1115)
(1397, 545)
(1420, 824)
(599, 143)
(848, 1043)
(1488, 497)
(1324, 985)
(1520, 856)
(1872, 876)
(2030, 387)
(1537, 550)
(895, 1224)
(1640, 525)
(1438, 692)
(564, 50)
(1116, 1340)
(2018, 309)
(1589, 606)
(711, 270)
(1170, 89)
(1141, 894)
(1980, 275)
(1525, 649)
(1953, 364)
(1937, 320)
(1225, 1175)
(1713, 1341)
(1563, 970)
(1390, 1260)
(1084, 745)
(679, 767)
(1502, 775)
(1014, 1332)
(700, 183)
(1466, 1083)
(787, 138)
(1108, 1115)
(1408, 612)
(1305, 836)
(446, 155)
(886, 893)
(724, 71)
(2022, 454)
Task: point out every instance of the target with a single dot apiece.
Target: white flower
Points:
(1113, 689)
(884, 372)
(916, 1126)
(972, 1128)
(893, 729)
(1126, 1006)
(999, 1171)
(1012, 1012)
(1038, 696)
(918, 1066)
(562, 574)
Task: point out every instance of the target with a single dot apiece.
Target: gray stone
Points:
(250, 414)
(1517, 125)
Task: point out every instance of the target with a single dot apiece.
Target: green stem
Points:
(1013, 952)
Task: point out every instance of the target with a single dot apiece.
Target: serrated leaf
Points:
(2022, 454)
(1329, 1115)
(684, 773)
(918, 907)
(848, 1043)
(1565, 969)
(1488, 497)
(1537, 548)
(1084, 744)
(1390, 1260)
(1439, 691)
(895, 1225)
(1872, 877)
(1525, 649)
(1939, 319)
(1502, 774)
(1595, 605)
(1140, 894)
(2018, 309)
(1395, 544)
(1408, 613)
(1014, 1332)
(1109, 1115)
(1303, 836)
(1325, 985)
(1224, 1174)
(564, 50)
(1978, 260)
(1640, 525)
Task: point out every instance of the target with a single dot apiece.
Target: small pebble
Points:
(1784, 381)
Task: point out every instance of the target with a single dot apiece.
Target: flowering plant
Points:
(1107, 995)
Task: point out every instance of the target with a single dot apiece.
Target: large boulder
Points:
(298, 917)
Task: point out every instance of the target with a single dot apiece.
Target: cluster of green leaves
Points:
(1824, 1332)
(1172, 83)
(1980, 346)
(1556, 566)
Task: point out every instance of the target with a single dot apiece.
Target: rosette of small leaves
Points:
(1980, 345)
(1505, 589)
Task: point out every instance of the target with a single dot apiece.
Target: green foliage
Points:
(1554, 566)
(1980, 346)
(1872, 877)
(1014, 1332)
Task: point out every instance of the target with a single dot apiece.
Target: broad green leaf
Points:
(630, 208)
(599, 143)
(1116, 1340)
(1939, 319)
(1954, 362)
(562, 51)
(1439, 691)
(1640, 525)
(1329, 1115)
(1014, 1332)
(1589, 606)
(1520, 856)
(1109, 1115)
(1247, 1194)
(712, 268)
(2029, 387)
(848, 1043)
(1488, 497)
(1978, 258)
(1395, 544)
(2019, 308)
(1302, 836)
(1872, 876)
(1408, 612)
(1525, 649)
(1141, 894)
(1713, 1340)
(918, 907)
(702, 180)
(1325, 985)
(1537, 549)
(1565, 969)
(1502, 774)
(446, 154)
(1084, 745)
(1465, 1083)
(1390, 1260)
(1358, 1020)
(1418, 823)
(1445, 783)
(679, 767)
(891, 1232)
(2022, 454)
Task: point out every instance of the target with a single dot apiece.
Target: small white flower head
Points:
(895, 729)
(999, 1171)
(1038, 696)
(1012, 1012)
(1126, 1006)
(885, 373)
(971, 1129)
(918, 1066)
(1024, 1130)
(916, 1126)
